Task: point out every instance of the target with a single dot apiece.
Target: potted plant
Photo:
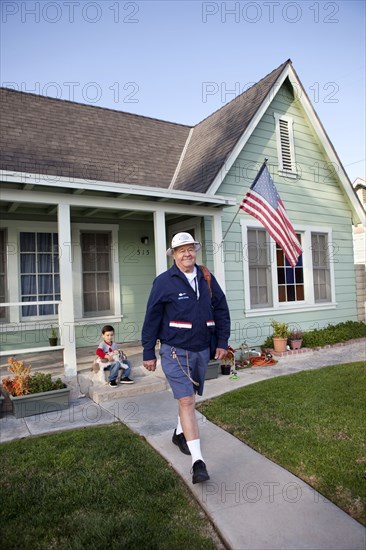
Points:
(280, 335)
(243, 361)
(34, 393)
(53, 338)
(295, 339)
(228, 361)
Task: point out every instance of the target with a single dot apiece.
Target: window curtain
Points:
(39, 272)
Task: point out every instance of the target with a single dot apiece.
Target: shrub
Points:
(24, 383)
(331, 334)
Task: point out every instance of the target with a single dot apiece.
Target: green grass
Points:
(312, 423)
(100, 487)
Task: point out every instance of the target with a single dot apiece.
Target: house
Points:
(90, 198)
(359, 243)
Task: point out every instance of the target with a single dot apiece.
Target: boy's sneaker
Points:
(113, 383)
(126, 380)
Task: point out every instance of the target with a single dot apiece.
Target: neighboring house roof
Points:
(359, 183)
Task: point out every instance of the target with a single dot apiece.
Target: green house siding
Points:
(315, 199)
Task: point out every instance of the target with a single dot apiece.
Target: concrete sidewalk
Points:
(253, 503)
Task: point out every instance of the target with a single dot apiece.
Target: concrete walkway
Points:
(253, 503)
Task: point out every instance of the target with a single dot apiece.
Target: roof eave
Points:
(126, 189)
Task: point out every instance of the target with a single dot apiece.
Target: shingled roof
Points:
(214, 138)
(53, 136)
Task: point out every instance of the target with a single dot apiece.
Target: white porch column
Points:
(219, 266)
(66, 308)
(160, 242)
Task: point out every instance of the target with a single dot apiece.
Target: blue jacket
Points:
(177, 318)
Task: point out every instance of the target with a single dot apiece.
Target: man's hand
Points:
(220, 353)
(150, 365)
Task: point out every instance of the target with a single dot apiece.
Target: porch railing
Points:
(19, 351)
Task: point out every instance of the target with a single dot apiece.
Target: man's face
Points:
(108, 336)
(185, 257)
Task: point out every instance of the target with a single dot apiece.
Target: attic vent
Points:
(285, 144)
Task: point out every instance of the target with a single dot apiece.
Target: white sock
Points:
(195, 447)
(179, 429)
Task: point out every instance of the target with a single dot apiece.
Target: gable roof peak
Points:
(241, 96)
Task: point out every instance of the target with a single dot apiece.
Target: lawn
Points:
(100, 487)
(312, 423)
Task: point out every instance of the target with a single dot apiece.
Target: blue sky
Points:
(180, 61)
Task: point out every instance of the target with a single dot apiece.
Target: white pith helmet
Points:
(180, 239)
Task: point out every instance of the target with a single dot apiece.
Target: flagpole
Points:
(234, 218)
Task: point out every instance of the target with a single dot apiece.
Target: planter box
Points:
(37, 403)
(212, 370)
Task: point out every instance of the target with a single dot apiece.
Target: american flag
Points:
(263, 202)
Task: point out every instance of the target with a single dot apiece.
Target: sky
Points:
(182, 60)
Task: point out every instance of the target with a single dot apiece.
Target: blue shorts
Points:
(181, 385)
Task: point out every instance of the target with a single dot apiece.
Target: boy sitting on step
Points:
(112, 359)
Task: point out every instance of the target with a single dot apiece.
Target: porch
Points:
(88, 383)
(137, 224)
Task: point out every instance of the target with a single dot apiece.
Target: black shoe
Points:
(113, 383)
(180, 440)
(126, 380)
(199, 472)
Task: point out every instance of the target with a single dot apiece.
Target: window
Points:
(274, 284)
(321, 268)
(259, 268)
(96, 273)
(290, 280)
(3, 310)
(39, 272)
(285, 145)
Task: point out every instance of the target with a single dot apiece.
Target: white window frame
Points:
(309, 303)
(281, 170)
(76, 230)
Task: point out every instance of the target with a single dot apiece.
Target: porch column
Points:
(66, 308)
(219, 266)
(160, 242)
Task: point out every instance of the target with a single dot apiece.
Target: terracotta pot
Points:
(279, 344)
(296, 344)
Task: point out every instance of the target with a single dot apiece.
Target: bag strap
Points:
(207, 276)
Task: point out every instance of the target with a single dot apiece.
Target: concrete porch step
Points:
(143, 384)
